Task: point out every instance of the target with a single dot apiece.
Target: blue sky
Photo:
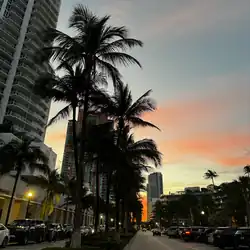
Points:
(196, 59)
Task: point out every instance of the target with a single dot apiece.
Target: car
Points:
(55, 231)
(4, 235)
(156, 231)
(210, 238)
(172, 231)
(242, 238)
(144, 229)
(25, 230)
(191, 233)
(224, 237)
(204, 235)
(180, 230)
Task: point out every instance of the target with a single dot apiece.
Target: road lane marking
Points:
(166, 246)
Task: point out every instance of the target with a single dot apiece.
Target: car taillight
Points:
(187, 233)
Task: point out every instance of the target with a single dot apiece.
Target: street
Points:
(146, 241)
(36, 246)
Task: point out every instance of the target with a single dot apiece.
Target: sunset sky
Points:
(196, 59)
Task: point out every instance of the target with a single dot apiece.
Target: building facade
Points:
(68, 164)
(154, 191)
(22, 23)
(68, 168)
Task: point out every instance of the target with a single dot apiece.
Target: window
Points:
(6, 14)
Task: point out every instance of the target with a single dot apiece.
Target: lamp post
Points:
(202, 213)
(101, 218)
(29, 195)
(112, 220)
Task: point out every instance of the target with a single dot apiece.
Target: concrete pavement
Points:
(146, 241)
(37, 246)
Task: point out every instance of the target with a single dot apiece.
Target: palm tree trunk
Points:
(107, 202)
(97, 209)
(76, 235)
(212, 180)
(75, 144)
(117, 212)
(12, 197)
(123, 214)
(65, 218)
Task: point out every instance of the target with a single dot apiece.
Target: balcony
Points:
(26, 69)
(5, 64)
(8, 36)
(6, 53)
(18, 107)
(17, 119)
(21, 87)
(19, 8)
(25, 79)
(13, 27)
(5, 43)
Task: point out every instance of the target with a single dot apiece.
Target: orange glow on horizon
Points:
(145, 210)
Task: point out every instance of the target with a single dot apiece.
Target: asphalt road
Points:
(146, 241)
(36, 246)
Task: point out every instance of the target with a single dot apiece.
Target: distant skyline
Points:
(196, 59)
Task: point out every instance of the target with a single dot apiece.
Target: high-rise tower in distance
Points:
(154, 190)
(22, 23)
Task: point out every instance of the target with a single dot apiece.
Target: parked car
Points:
(55, 231)
(87, 230)
(68, 230)
(191, 233)
(180, 230)
(242, 237)
(172, 231)
(210, 238)
(4, 235)
(144, 229)
(204, 235)
(156, 231)
(224, 237)
(23, 231)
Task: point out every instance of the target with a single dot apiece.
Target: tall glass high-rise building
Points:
(154, 190)
(22, 23)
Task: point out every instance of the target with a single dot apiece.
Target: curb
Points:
(128, 246)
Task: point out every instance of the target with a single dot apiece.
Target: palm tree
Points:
(97, 46)
(137, 155)
(244, 182)
(18, 156)
(124, 111)
(87, 199)
(52, 184)
(247, 170)
(210, 174)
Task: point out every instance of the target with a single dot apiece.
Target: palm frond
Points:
(119, 58)
(62, 114)
(120, 44)
(108, 69)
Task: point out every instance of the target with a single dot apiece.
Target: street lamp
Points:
(202, 212)
(111, 219)
(29, 195)
(101, 218)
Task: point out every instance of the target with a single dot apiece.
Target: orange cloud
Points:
(215, 128)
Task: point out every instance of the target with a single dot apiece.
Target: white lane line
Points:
(166, 246)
